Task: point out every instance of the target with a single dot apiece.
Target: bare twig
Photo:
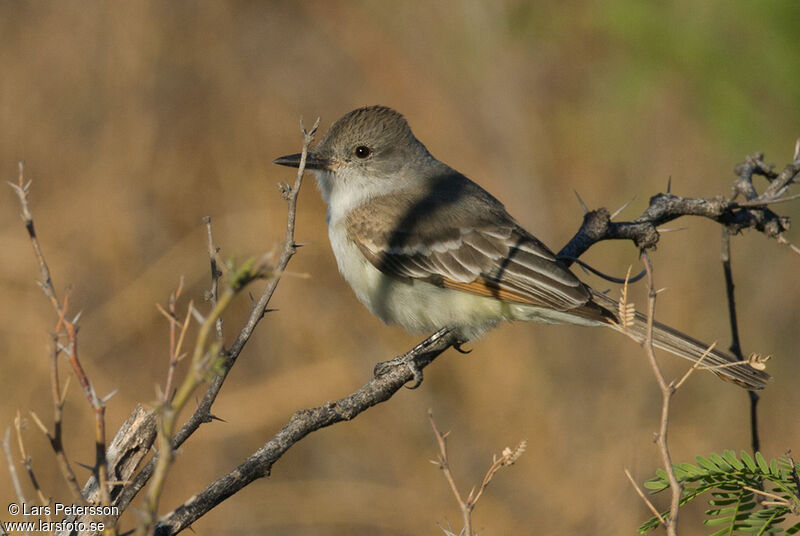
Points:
(27, 461)
(126, 451)
(55, 439)
(203, 412)
(750, 214)
(444, 465)
(205, 359)
(12, 467)
(70, 328)
(782, 240)
(697, 364)
(644, 498)
(258, 465)
(597, 226)
(736, 347)
(667, 390)
(176, 337)
(215, 275)
(508, 457)
(776, 499)
(22, 189)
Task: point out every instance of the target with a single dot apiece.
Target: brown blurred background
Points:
(136, 119)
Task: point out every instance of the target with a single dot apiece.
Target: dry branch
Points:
(303, 422)
(735, 216)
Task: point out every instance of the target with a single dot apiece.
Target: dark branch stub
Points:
(736, 217)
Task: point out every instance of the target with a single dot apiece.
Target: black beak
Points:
(293, 160)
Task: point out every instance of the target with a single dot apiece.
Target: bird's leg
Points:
(409, 359)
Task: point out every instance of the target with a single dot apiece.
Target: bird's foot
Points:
(405, 360)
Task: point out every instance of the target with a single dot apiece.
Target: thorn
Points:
(213, 417)
(623, 207)
(459, 348)
(583, 205)
(77, 317)
(89, 467)
(39, 423)
(670, 229)
(109, 396)
(93, 393)
(197, 316)
(313, 128)
(64, 391)
(669, 184)
(797, 150)
(16, 188)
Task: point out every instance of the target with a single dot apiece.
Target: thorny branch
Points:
(203, 412)
(215, 275)
(70, 328)
(27, 461)
(752, 213)
(734, 216)
(303, 422)
(12, 467)
(667, 390)
(205, 360)
(643, 232)
(508, 457)
(175, 337)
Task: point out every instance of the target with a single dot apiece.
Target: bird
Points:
(424, 247)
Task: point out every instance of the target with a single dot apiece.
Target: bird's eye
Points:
(362, 151)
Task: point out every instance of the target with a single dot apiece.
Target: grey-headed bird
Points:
(424, 247)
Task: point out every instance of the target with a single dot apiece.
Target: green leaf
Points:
(692, 470)
(722, 532)
(762, 463)
(773, 469)
(722, 502)
(748, 461)
(707, 464)
(717, 521)
(656, 484)
(730, 457)
(720, 462)
(733, 510)
(722, 511)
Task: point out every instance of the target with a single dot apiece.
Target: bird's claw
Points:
(459, 347)
(383, 367)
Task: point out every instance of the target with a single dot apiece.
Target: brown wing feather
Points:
(480, 250)
(482, 287)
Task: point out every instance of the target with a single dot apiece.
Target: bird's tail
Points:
(682, 345)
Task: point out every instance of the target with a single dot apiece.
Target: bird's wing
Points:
(475, 247)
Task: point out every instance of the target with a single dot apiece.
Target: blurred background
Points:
(137, 119)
